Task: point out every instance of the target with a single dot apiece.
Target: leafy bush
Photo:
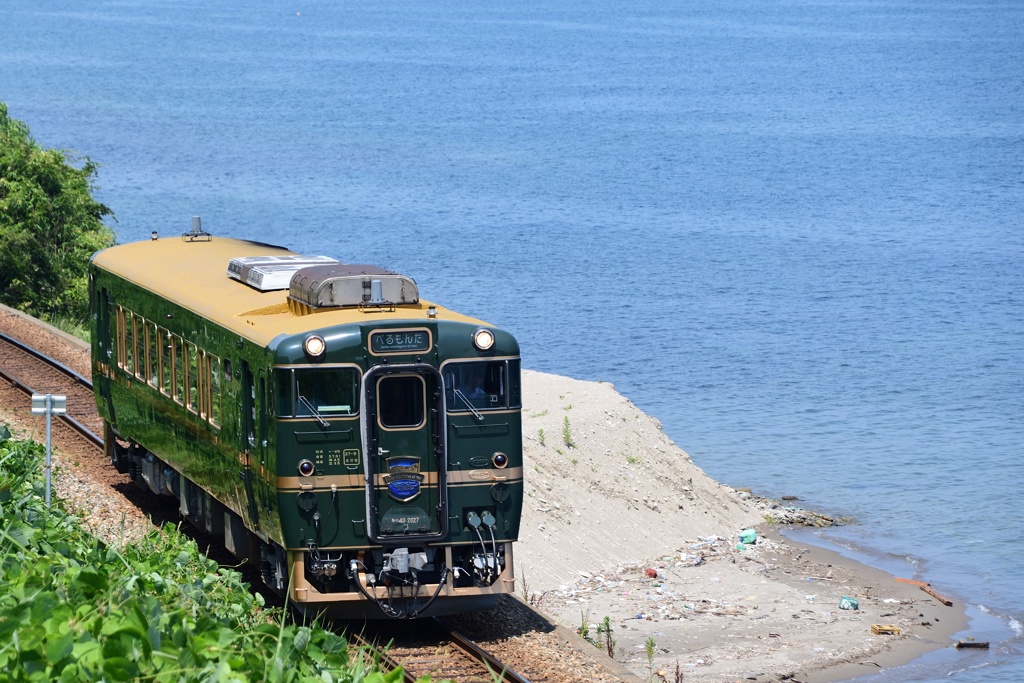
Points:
(74, 609)
(49, 225)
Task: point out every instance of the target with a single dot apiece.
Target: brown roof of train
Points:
(193, 275)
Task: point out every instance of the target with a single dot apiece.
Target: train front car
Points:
(399, 452)
(359, 445)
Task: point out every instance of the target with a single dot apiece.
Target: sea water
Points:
(790, 230)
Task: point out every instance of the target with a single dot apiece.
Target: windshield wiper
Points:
(320, 418)
(476, 413)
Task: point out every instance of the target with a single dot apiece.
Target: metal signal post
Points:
(49, 404)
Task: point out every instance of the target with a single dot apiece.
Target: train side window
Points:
(179, 369)
(152, 355)
(214, 390)
(283, 386)
(139, 326)
(476, 385)
(401, 401)
(327, 392)
(119, 318)
(203, 383)
(129, 343)
(515, 386)
(192, 361)
(166, 361)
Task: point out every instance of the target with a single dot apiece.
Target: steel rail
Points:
(85, 382)
(502, 672)
(17, 383)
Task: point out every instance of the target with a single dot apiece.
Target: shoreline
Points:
(946, 621)
(623, 501)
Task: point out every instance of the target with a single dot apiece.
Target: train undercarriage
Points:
(375, 582)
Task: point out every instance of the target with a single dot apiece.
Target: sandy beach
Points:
(620, 523)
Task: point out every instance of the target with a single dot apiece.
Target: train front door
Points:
(405, 454)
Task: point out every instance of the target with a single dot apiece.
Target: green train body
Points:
(359, 445)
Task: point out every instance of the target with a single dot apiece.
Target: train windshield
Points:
(482, 385)
(323, 392)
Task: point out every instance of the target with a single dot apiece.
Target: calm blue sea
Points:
(791, 229)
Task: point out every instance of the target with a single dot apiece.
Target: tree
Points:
(49, 225)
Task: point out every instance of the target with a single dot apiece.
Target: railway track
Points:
(429, 647)
(35, 373)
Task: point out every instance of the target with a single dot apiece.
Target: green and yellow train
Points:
(361, 446)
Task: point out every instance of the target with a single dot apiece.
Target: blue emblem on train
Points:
(403, 478)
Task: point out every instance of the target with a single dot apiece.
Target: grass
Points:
(68, 325)
(567, 433)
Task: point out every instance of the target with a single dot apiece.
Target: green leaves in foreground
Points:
(73, 609)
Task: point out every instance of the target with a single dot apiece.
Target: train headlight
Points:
(306, 468)
(483, 339)
(500, 460)
(314, 346)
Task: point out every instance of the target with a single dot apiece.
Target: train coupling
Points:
(401, 561)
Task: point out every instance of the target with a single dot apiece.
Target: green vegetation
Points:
(567, 433)
(73, 609)
(49, 225)
(603, 639)
(649, 651)
(540, 436)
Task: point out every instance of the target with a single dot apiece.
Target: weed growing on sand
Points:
(584, 628)
(540, 414)
(632, 459)
(605, 629)
(575, 461)
(567, 434)
(603, 636)
(529, 597)
(568, 407)
(540, 436)
(770, 520)
(649, 650)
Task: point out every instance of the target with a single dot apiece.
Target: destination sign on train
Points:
(390, 342)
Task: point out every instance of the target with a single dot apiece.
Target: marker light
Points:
(314, 346)
(500, 460)
(483, 339)
(306, 468)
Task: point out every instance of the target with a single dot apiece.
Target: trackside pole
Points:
(49, 405)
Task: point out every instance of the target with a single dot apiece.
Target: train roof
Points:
(194, 275)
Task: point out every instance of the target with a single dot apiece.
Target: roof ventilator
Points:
(346, 285)
(196, 234)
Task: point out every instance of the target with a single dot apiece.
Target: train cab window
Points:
(481, 385)
(323, 392)
(401, 401)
